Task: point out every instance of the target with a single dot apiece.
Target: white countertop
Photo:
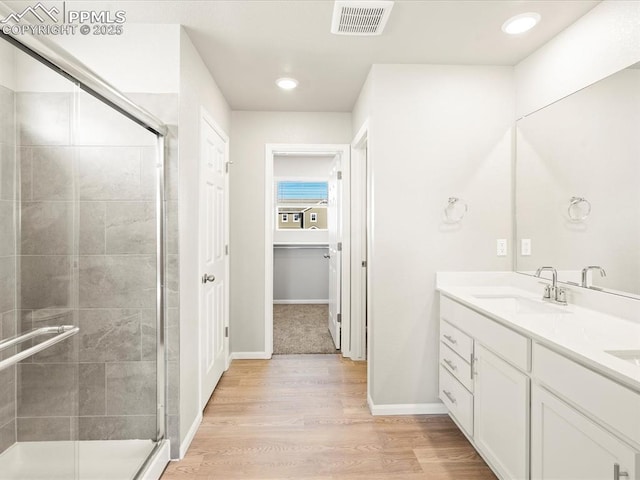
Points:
(580, 333)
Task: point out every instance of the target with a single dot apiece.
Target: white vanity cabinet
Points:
(566, 445)
(483, 387)
(501, 414)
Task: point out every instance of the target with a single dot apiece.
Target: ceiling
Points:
(248, 44)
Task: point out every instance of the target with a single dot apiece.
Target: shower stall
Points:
(82, 355)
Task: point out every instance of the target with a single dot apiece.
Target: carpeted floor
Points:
(301, 329)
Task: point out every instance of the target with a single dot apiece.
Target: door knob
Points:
(208, 278)
(326, 255)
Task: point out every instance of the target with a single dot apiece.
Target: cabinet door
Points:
(565, 445)
(501, 414)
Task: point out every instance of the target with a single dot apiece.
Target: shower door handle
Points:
(208, 278)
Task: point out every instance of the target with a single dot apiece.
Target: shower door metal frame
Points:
(71, 68)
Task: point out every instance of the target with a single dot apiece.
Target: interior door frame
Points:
(360, 240)
(205, 116)
(319, 149)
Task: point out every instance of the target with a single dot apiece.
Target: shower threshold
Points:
(68, 460)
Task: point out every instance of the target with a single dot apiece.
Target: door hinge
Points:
(226, 249)
(339, 246)
(364, 263)
(339, 318)
(226, 167)
(339, 175)
(226, 332)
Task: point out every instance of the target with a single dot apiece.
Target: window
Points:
(304, 201)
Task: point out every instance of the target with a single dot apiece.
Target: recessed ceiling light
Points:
(521, 23)
(287, 83)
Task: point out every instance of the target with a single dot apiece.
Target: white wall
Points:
(362, 108)
(7, 60)
(197, 89)
(436, 132)
(605, 40)
(250, 132)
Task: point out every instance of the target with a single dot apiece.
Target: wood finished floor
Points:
(306, 417)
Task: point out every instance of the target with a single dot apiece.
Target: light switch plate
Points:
(501, 247)
(525, 247)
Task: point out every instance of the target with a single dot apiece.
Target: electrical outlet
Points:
(501, 247)
(525, 247)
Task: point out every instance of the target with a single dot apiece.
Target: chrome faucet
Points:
(551, 292)
(585, 271)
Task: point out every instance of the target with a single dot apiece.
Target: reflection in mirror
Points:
(578, 185)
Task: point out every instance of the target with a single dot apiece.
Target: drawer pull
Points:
(452, 365)
(616, 471)
(451, 397)
(451, 339)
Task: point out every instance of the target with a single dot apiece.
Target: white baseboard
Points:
(301, 302)
(184, 446)
(250, 356)
(406, 408)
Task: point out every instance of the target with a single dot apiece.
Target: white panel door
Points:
(565, 445)
(501, 414)
(213, 260)
(334, 224)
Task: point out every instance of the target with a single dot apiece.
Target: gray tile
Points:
(171, 213)
(149, 169)
(7, 229)
(172, 175)
(173, 433)
(117, 281)
(173, 281)
(52, 175)
(109, 335)
(7, 116)
(25, 155)
(172, 334)
(7, 284)
(92, 224)
(164, 106)
(9, 329)
(63, 352)
(99, 124)
(7, 436)
(43, 429)
(43, 118)
(7, 395)
(91, 391)
(110, 173)
(47, 390)
(131, 228)
(45, 282)
(117, 428)
(173, 390)
(7, 172)
(131, 388)
(46, 228)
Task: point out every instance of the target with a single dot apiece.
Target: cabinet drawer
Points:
(456, 366)
(457, 399)
(458, 341)
(509, 345)
(595, 394)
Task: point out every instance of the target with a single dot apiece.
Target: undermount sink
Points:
(520, 305)
(631, 356)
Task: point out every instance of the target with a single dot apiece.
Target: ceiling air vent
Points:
(360, 17)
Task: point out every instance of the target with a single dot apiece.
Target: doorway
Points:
(305, 307)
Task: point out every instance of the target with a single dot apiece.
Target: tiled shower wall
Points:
(98, 254)
(7, 264)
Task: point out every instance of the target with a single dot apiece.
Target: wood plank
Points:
(306, 417)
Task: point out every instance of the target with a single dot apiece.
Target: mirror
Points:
(578, 185)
